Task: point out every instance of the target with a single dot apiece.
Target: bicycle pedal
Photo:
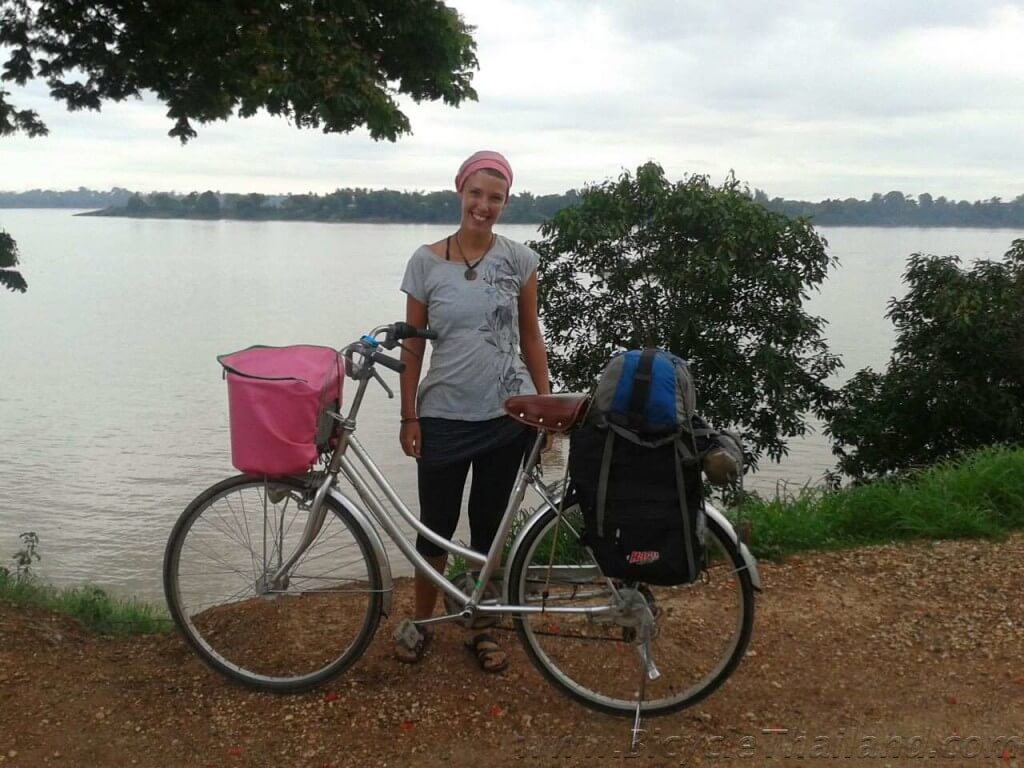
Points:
(407, 635)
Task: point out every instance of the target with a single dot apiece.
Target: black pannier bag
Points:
(636, 471)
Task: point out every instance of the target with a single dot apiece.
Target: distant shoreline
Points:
(386, 206)
(121, 213)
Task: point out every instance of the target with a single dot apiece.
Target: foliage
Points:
(895, 209)
(892, 209)
(10, 278)
(27, 555)
(955, 380)
(700, 270)
(330, 64)
(23, 560)
(341, 205)
(70, 198)
(89, 604)
(92, 606)
(979, 495)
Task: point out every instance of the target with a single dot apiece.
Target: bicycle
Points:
(280, 582)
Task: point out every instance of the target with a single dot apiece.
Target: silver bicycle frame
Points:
(343, 463)
(489, 562)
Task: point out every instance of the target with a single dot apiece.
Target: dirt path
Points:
(913, 654)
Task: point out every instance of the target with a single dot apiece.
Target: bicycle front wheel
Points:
(272, 630)
(701, 629)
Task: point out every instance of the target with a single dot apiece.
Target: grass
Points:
(94, 608)
(978, 496)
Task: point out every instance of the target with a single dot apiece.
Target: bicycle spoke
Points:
(216, 558)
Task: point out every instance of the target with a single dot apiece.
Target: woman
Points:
(478, 290)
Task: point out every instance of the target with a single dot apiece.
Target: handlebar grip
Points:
(389, 362)
(406, 331)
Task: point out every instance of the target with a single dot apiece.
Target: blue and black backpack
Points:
(635, 469)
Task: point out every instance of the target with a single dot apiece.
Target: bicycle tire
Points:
(285, 638)
(595, 663)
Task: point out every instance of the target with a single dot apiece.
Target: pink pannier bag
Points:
(277, 403)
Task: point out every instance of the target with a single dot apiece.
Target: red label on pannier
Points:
(643, 558)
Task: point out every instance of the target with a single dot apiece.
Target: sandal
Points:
(488, 653)
(411, 642)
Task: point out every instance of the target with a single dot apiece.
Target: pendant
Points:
(470, 274)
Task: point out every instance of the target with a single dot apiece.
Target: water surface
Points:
(112, 408)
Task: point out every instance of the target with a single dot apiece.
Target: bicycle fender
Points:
(377, 545)
(748, 559)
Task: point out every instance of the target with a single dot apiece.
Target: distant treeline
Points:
(71, 198)
(384, 205)
(896, 209)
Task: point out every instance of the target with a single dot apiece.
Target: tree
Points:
(955, 379)
(703, 271)
(136, 204)
(208, 205)
(330, 64)
(249, 206)
(10, 278)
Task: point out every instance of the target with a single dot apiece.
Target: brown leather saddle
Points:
(551, 413)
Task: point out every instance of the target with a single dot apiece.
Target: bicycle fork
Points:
(315, 521)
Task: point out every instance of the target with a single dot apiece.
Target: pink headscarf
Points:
(478, 161)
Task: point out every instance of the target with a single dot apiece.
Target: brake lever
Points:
(391, 395)
(410, 350)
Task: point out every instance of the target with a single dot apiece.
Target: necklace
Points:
(470, 273)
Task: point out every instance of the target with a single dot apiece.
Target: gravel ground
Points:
(888, 656)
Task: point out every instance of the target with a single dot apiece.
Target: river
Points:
(112, 408)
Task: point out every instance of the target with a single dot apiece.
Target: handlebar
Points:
(388, 362)
(405, 331)
(368, 348)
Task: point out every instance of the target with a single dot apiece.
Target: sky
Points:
(805, 100)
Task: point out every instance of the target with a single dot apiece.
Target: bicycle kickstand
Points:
(647, 670)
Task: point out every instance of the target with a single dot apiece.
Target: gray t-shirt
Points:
(475, 362)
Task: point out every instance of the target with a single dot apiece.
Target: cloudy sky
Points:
(802, 99)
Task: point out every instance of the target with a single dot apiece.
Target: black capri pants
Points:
(441, 487)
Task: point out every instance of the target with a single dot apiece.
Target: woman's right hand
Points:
(409, 437)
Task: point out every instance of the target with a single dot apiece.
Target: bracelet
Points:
(406, 421)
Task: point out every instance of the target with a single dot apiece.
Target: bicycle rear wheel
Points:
(286, 635)
(701, 629)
